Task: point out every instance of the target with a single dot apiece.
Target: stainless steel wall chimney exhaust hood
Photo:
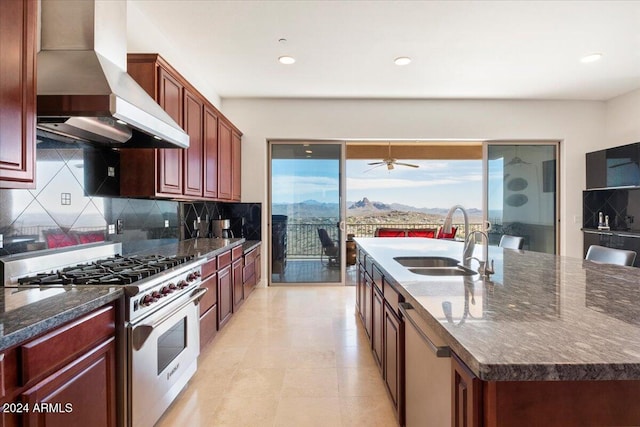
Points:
(84, 91)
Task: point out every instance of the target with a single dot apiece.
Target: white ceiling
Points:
(460, 49)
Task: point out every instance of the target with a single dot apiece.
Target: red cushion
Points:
(60, 240)
(421, 233)
(451, 235)
(90, 237)
(390, 232)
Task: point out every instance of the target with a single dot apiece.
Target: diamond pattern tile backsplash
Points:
(622, 206)
(76, 202)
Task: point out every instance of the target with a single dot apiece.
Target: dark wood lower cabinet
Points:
(393, 358)
(238, 288)
(82, 393)
(66, 377)
(377, 330)
(384, 329)
(467, 396)
(367, 303)
(225, 296)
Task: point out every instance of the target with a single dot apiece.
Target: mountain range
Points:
(364, 207)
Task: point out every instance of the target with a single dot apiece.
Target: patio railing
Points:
(303, 240)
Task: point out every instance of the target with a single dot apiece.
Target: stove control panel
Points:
(164, 291)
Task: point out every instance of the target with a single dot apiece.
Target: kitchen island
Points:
(544, 333)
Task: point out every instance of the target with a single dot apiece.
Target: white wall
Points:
(578, 125)
(622, 120)
(143, 36)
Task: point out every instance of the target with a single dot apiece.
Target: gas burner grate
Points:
(116, 270)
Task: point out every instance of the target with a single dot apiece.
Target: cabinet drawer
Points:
(209, 267)
(211, 296)
(224, 259)
(250, 257)
(208, 326)
(57, 348)
(391, 296)
(248, 271)
(236, 252)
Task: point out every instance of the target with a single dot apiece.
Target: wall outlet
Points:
(111, 171)
(577, 219)
(166, 223)
(111, 229)
(1, 241)
(119, 226)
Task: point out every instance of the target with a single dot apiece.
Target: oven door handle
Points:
(141, 333)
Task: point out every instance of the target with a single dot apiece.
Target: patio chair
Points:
(329, 249)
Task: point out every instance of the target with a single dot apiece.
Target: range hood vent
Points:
(84, 91)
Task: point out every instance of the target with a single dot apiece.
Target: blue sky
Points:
(436, 184)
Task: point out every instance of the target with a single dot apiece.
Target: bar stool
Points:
(511, 242)
(606, 255)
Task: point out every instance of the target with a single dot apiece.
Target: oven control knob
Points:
(182, 284)
(191, 277)
(146, 300)
(166, 290)
(173, 287)
(155, 295)
(197, 273)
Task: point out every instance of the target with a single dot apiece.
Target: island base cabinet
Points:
(466, 398)
(561, 403)
(393, 357)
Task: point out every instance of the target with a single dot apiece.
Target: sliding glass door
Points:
(522, 193)
(306, 223)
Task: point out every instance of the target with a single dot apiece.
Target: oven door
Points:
(163, 354)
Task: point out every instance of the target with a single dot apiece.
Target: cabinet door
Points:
(225, 153)
(17, 93)
(367, 304)
(193, 165)
(236, 168)
(377, 314)
(84, 390)
(225, 296)
(210, 153)
(170, 160)
(596, 168)
(238, 293)
(466, 399)
(393, 357)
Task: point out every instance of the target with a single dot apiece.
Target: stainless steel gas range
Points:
(161, 328)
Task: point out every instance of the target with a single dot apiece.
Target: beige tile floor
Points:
(291, 356)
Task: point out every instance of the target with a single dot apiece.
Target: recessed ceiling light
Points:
(286, 60)
(308, 151)
(402, 60)
(592, 57)
(157, 137)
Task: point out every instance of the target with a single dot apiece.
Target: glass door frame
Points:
(342, 209)
(485, 177)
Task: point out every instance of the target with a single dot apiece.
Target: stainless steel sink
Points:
(426, 261)
(443, 271)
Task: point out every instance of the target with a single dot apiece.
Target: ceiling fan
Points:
(390, 162)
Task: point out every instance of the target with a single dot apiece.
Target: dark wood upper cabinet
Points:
(170, 160)
(210, 136)
(17, 93)
(236, 167)
(193, 156)
(225, 160)
(209, 169)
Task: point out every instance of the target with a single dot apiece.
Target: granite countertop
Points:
(539, 317)
(28, 312)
